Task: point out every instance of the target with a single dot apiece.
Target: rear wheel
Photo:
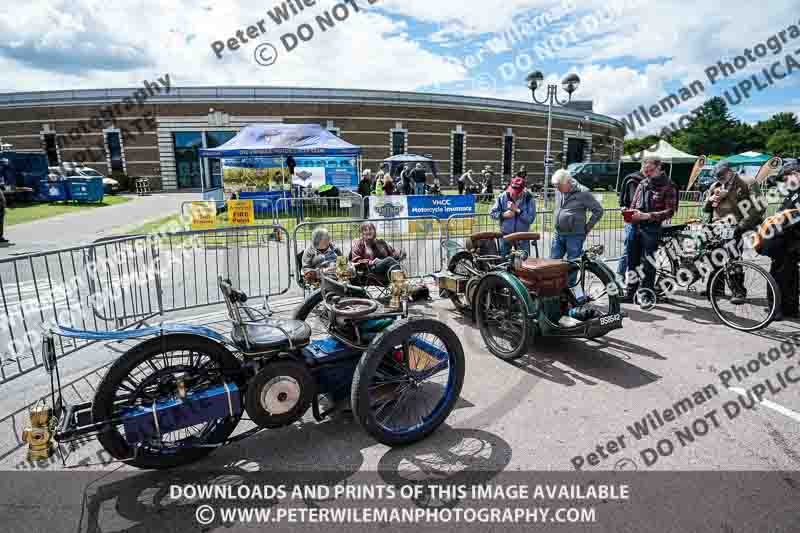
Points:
(502, 318)
(744, 296)
(149, 373)
(408, 381)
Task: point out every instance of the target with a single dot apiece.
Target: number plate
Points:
(610, 319)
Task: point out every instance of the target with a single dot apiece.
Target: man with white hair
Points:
(573, 200)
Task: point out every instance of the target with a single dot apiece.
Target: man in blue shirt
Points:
(515, 209)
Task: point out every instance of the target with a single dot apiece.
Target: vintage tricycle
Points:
(177, 396)
(514, 299)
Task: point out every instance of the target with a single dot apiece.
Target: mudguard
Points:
(516, 285)
(121, 335)
(611, 275)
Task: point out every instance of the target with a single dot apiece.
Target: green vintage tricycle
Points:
(514, 299)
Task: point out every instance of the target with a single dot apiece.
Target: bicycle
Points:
(687, 249)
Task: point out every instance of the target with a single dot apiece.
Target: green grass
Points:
(22, 213)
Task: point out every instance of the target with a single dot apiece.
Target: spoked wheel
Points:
(744, 296)
(598, 291)
(408, 381)
(666, 271)
(151, 372)
(462, 264)
(502, 318)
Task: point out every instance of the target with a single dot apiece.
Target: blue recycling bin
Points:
(86, 189)
(52, 191)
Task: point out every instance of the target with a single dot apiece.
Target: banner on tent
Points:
(383, 209)
(339, 171)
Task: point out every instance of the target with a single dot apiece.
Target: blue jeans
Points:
(569, 245)
(506, 247)
(622, 267)
(645, 243)
(419, 188)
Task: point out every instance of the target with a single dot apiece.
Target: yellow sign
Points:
(241, 212)
(204, 215)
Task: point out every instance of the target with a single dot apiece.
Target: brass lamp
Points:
(39, 435)
(399, 288)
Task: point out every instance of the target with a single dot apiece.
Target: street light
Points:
(570, 84)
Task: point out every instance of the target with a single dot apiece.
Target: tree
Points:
(712, 130)
(634, 146)
(779, 122)
(784, 143)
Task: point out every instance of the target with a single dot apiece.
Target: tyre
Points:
(461, 264)
(408, 381)
(502, 318)
(146, 373)
(594, 286)
(313, 312)
(280, 394)
(758, 289)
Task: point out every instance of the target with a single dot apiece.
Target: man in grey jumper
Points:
(573, 200)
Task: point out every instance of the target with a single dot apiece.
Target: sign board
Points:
(241, 212)
(346, 201)
(204, 215)
(339, 171)
(443, 206)
(383, 209)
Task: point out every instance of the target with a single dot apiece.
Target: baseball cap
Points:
(721, 169)
(517, 184)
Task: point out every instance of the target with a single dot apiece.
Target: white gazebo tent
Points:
(664, 151)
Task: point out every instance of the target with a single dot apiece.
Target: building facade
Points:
(160, 138)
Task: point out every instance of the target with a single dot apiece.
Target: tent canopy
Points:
(396, 163)
(665, 151)
(748, 158)
(285, 140)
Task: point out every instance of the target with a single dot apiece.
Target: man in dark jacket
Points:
(626, 192)
(653, 203)
(419, 178)
(784, 246)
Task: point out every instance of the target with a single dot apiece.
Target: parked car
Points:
(595, 175)
(110, 185)
(71, 169)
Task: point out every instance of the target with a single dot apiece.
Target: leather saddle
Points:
(546, 277)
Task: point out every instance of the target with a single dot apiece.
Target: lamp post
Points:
(570, 84)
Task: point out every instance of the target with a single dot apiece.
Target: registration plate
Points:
(610, 319)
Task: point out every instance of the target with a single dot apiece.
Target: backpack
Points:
(625, 199)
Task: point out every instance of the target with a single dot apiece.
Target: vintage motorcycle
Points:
(174, 398)
(514, 299)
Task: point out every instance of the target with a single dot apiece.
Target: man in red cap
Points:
(515, 209)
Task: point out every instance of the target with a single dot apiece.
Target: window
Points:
(115, 151)
(508, 154)
(398, 142)
(458, 154)
(51, 149)
(187, 159)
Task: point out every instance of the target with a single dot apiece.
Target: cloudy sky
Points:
(627, 52)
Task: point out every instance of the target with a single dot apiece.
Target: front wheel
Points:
(502, 318)
(744, 296)
(408, 381)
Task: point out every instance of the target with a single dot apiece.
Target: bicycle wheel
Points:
(666, 271)
(149, 373)
(744, 296)
(408, 381)
(462, 264)
(599, 291)
(502, 318)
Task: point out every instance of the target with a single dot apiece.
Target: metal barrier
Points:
(419, 237)
(311, 209)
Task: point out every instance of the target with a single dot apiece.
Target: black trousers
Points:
(460, 187)
(785, 271)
